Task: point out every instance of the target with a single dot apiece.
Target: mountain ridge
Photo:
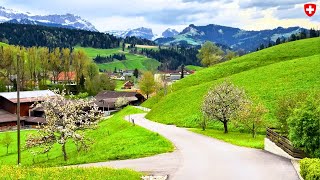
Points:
(66, 20)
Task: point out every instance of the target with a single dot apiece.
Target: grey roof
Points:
(27, 96)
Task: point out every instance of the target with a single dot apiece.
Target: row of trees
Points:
(106, 59)
(294, 37)
(38, 65)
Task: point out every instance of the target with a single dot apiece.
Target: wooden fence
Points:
(285, 144)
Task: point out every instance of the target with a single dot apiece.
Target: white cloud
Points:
(161, 14)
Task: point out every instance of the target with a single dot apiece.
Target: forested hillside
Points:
(51, 37)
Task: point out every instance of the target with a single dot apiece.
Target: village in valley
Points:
(192, 101)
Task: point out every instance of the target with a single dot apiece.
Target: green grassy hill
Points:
(265, 75)
(133, 61)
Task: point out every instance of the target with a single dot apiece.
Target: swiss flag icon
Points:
(310, 9)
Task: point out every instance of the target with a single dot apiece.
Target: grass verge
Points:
(236, 138)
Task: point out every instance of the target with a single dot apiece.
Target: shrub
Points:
(285, 106)
(310, 169)
(304, 126)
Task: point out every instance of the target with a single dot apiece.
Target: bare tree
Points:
(222, 103)
(66, 119)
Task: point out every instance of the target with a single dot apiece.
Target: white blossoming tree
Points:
(66, 119)
(121, 101)
(223, 102)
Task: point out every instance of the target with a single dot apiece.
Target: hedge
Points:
(310, 169)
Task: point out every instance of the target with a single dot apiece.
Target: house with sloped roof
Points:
(107, 99)
(8, 107)
(69, 78)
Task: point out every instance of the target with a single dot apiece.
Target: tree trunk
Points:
(253, 131)
(7, 149)
(225, 125)
(204, 124)
(64, 152)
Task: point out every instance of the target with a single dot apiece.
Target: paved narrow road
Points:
(198, 157)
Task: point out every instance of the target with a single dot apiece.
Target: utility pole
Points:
(18, 107)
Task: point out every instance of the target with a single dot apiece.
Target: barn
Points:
(8, 107)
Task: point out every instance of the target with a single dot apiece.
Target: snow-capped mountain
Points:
(67, 20)
(142, 32)
(169, 33)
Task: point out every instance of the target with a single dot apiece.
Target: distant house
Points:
(106, 99)
(8, 107)
(128, 85)
(171, 76)
(69, 78)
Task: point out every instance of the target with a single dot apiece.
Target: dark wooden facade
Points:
(11, 107)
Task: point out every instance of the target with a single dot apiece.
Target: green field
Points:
(133, 61)
(113, 139)
(265, 75)
(27, 173)
(194, 68)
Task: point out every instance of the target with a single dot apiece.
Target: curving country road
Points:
(198, 157)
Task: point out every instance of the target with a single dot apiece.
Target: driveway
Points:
(198, 157)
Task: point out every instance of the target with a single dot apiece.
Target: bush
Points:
(304, 126)
(310, 169)
(285, 106)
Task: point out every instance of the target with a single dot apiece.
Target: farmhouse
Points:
(68, 78)
(128, 85)
(107, 99)
(8, 108)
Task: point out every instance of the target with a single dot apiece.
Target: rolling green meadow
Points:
(114, 139)
(265, 75)
(133, 61)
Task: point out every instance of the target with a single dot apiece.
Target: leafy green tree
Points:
(222, 103)
(304, 126)
(6, 141)
(210, 54)
(250, 116)
(285, 106)
(147, 83)
(230, 55)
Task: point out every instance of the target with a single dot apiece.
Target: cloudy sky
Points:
(162, 14)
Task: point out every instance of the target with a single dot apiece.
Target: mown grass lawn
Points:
(28, 173)
(114, 139)
(236, 138)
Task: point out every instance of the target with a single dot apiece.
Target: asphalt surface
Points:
(198, 157)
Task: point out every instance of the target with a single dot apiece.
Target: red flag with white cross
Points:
(310, 9)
